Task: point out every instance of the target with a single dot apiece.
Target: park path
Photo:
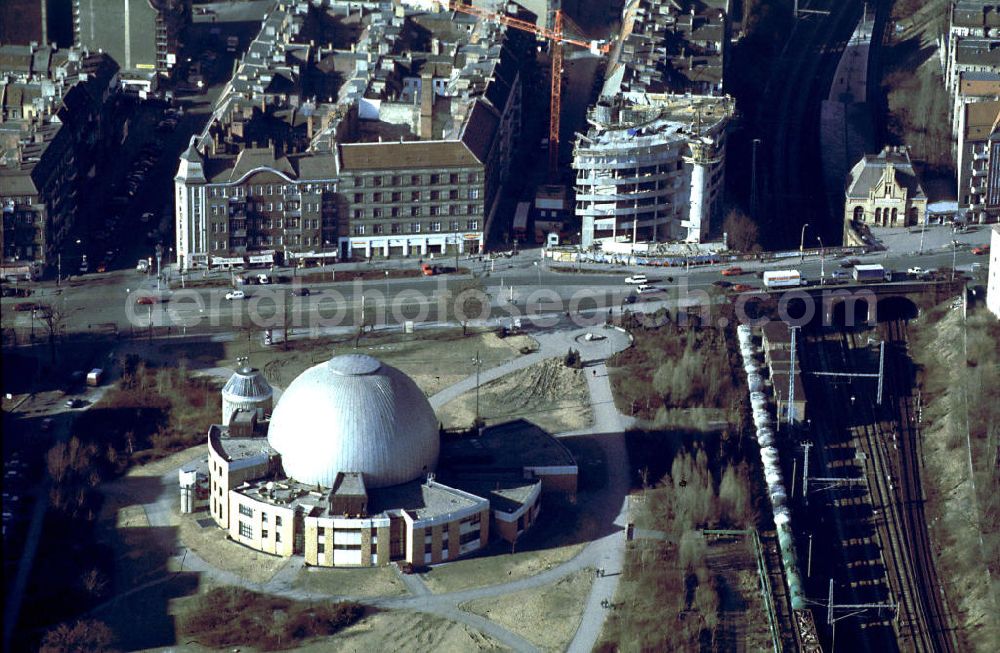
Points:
(608, 552)
(603, 553)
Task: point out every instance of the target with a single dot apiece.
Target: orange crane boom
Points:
(556, 38)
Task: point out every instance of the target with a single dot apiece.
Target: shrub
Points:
(83, 636)
(233, 616)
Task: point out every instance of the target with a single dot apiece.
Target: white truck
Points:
(871, 273)
(783, 279)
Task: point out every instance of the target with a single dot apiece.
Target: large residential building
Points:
(972, 41)
(883, 191)
(352, 470)
(393, 141)
(141, 35)
(670, 46)
(979, 161)
(972, 88)
(56, 123)
(650, 168)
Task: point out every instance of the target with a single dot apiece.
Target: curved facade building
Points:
(650, 168)
(343, 473)
(355, 414)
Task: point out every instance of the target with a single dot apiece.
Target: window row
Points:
(416, 195)
(268, 189)
(240, 222)
(418, 180)
(412, 228)
(415, 211)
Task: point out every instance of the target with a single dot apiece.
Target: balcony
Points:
(980, 156)
(976, 172)
(977, 190)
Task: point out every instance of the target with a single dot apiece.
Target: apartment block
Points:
(56, 124)
(394, 140)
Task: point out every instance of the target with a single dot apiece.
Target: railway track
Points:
(887, 438)
(863, 571)
(790, 127)
(906, 447)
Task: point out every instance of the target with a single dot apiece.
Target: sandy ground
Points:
(495, 568)
(379, 581)
(210, 542)
(549, 394)
(405, 631)
(435, 360)
(547, 616)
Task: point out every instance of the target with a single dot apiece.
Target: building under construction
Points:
(650, 168)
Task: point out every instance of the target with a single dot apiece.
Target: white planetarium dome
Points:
(355, 414)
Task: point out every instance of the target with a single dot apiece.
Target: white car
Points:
(920, 272)
(645, 288)
(235, 294)
(637, 279)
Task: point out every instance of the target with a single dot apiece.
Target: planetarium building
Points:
(350, 469)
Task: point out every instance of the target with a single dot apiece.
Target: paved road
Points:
(608, 505)
(106, 299)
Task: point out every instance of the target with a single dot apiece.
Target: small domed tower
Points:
(246, 389)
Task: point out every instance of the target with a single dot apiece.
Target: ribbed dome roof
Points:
(247, 383)
(354, 414)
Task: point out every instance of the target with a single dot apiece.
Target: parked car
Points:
(637, 279)
(235, 294)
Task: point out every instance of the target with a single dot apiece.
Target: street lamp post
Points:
(159, 259)
(954, 256)
(822, 261)
(923, 229)
(802, 242)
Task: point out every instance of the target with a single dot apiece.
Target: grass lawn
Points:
(546, 616)
(496, 567)
(378, 581)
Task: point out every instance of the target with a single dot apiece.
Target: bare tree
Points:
(743, 233)
(470, 302)
(52, 318)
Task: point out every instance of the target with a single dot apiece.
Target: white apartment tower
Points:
(650, 168)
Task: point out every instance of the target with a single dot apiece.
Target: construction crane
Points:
(556, 37)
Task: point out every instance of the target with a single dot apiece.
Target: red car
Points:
(742, 287)
(147, 300)
(732, 272)
(984, 249)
